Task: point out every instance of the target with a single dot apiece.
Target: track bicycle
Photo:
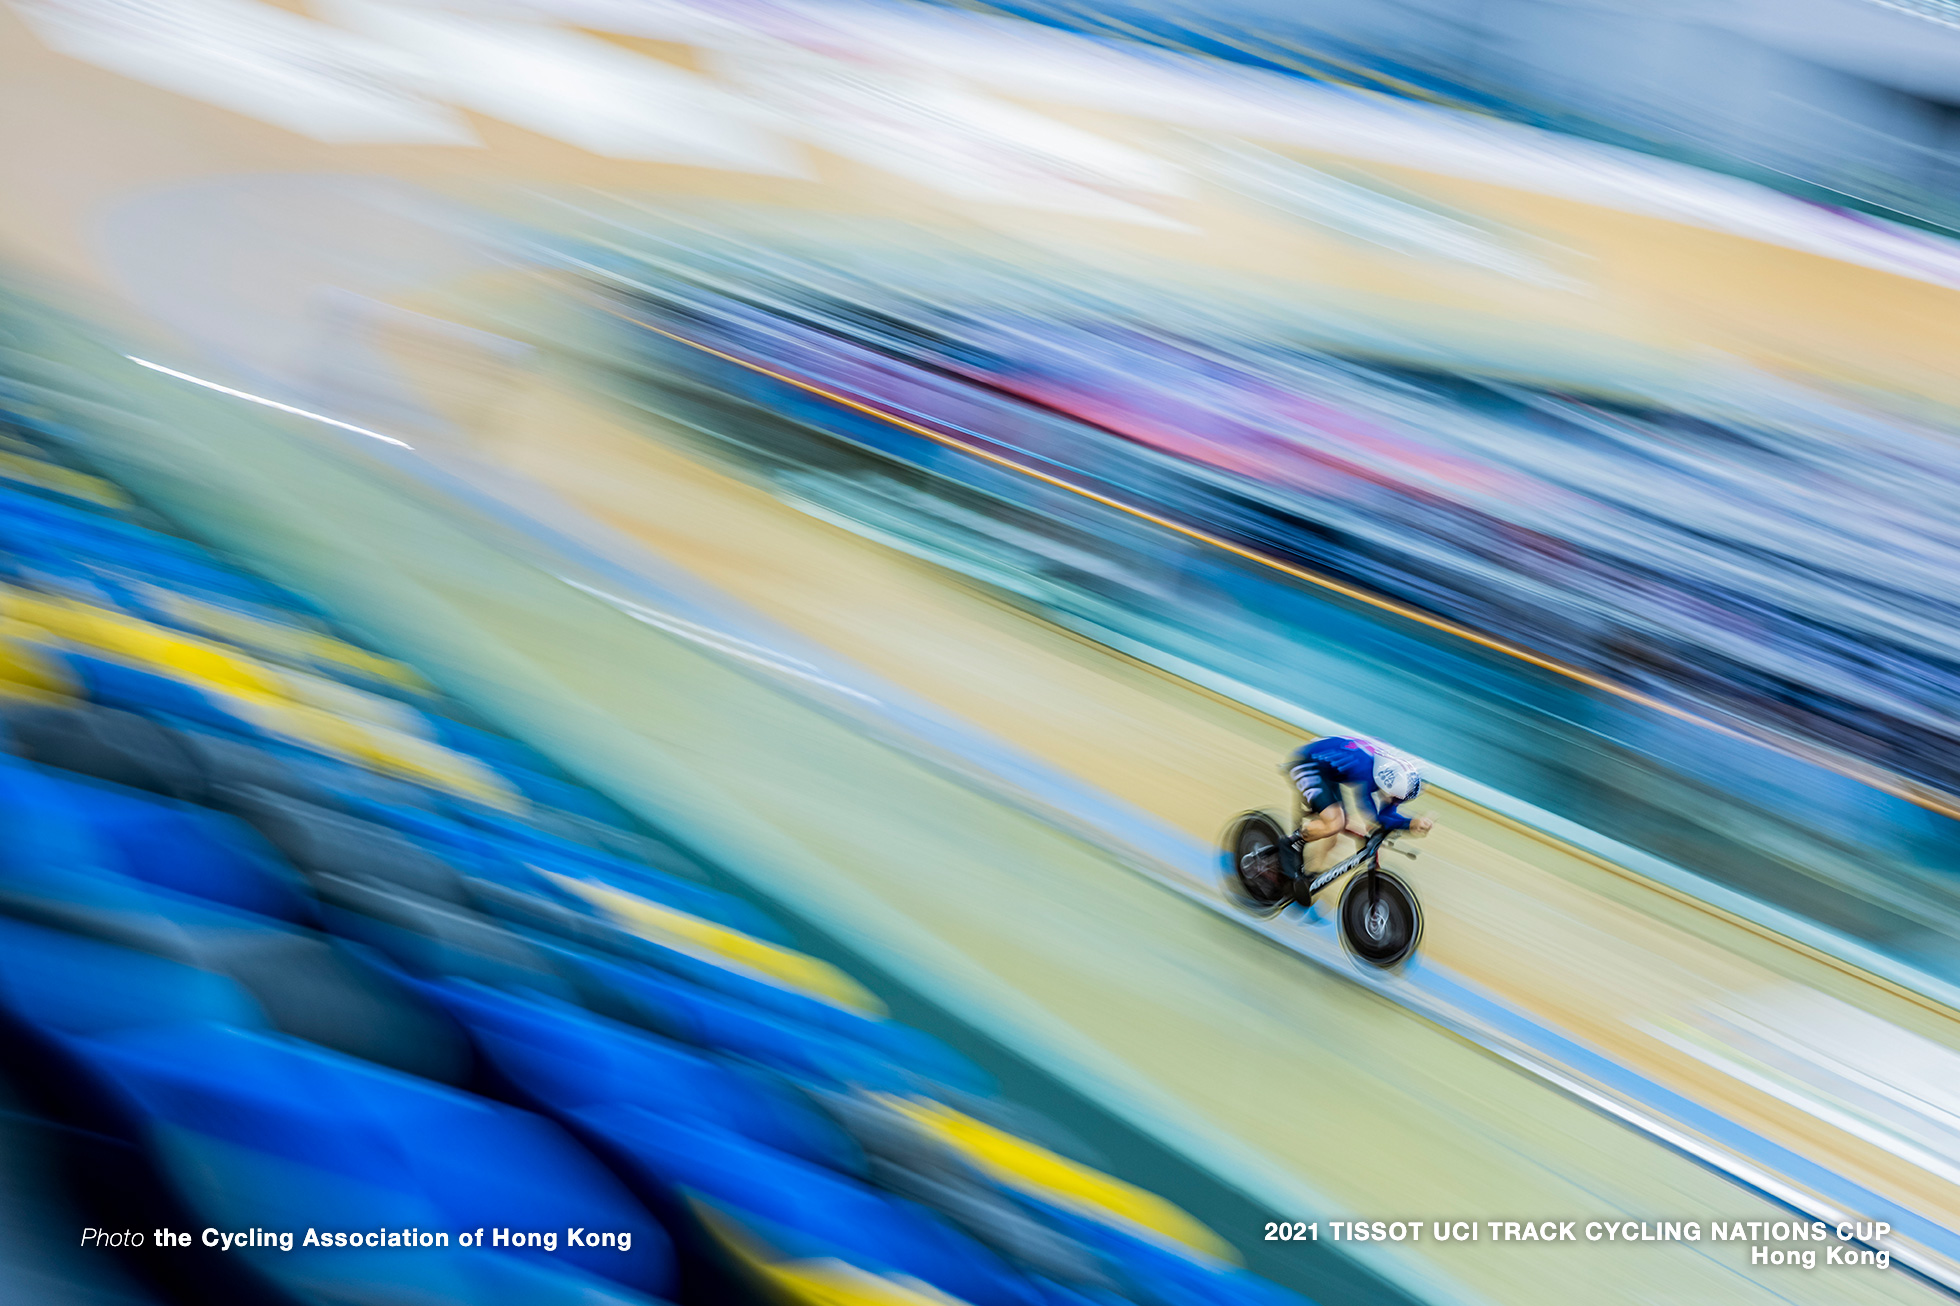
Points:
(1379, 916)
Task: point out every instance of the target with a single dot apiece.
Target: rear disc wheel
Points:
(1260, 865)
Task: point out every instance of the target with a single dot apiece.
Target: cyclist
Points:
(1383, 780)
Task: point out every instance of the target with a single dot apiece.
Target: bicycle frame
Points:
(1369, 852)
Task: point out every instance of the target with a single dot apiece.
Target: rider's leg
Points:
(1319, 816)
(1317, 839)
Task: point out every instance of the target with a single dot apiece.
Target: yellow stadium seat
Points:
(825, 1282)
(1035, 1170)
(719, 944)
(836, 1283)
(140, 641)
(332, 696)
(28, 668)
(62, 480)
(378, 747)
(292, 643)
(418, 759)
(309, 709)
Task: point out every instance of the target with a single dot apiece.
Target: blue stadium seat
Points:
(51, 858)
(120, 747)
(56, 982)
(497, 750)
(549, 852)
(70, 823)
(562, 1058)
(431, 939)
(46, 531)
(547, 792)
(468, 850)
(1161, 1276)
(40, 835)
(119, 684)
(799, 1210)
(570, 922)
(696, 1015)
(205, 854)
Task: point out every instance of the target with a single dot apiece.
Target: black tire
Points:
(1381, 921)
(1260, 865)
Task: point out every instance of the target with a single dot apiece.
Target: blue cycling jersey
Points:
(1345, 760)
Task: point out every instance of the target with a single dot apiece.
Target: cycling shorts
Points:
(1319, 784)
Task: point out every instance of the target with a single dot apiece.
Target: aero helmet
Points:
(1397, 777)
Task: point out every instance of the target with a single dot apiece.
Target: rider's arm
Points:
(1386, 816)
(1391, 819)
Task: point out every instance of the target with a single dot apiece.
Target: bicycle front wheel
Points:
(1381, 921)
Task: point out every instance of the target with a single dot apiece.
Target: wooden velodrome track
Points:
(1317, 1090)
